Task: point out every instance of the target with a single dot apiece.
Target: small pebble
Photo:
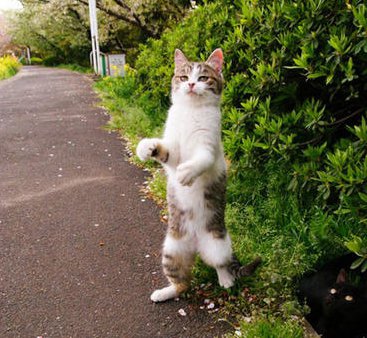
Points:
(182, 312)
(211, 306)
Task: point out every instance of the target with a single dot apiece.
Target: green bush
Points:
(294, 127)
(9, 66)
(36, 61)
(52, 61)
(295, 94)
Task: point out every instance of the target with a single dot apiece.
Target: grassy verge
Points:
(9, 66)
(264, 219)
(76, 68)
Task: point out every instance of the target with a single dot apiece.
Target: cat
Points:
(192, 155)
(338, 306)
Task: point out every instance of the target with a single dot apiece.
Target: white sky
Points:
(9, 4)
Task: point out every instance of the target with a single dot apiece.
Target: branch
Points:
(42, 37)
(132, 21)
(318, 138)
(78, 17)
(127, 8)
(358, 111)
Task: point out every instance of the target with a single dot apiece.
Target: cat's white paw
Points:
(145, 148)
(225, 278)
(186, 174)
(164, 294)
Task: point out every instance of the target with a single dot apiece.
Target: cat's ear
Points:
(180, 58)
(215, 60)
(342, 277)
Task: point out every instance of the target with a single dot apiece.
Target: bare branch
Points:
(135, 21)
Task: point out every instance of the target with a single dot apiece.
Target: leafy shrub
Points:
(36, 61)
(9, 66)
(294, 131)
(295, 96)
(52, 61)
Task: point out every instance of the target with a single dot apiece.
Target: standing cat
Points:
(192, 155)
(338, 306)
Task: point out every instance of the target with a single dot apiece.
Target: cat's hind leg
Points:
(215, 249)
(177, 261)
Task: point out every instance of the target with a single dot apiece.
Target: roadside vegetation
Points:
(9, 66)
(76, 68)
(59, 31)
(294, 131)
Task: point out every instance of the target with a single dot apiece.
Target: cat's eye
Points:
(348, 298)
(184, 78)
(333, 291)
(203, 78)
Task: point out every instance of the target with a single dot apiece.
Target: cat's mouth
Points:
(193, 93)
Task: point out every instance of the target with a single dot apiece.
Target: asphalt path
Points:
(79, 243)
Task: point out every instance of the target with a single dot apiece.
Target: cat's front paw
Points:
(146, 148)
(186, 174)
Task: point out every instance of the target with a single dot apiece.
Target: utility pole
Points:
(94, 35)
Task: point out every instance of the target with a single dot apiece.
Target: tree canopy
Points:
(60, 30)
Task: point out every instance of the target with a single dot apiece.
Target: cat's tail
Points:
(239, 270)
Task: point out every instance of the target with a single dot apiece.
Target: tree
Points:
(60, 29)
(4, 37)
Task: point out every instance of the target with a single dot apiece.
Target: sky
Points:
(9, 4)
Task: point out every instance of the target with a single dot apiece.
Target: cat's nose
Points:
(191, 85)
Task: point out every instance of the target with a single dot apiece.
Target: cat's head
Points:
(342, 297)
(198, 80)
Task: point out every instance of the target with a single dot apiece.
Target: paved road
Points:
(79, 248)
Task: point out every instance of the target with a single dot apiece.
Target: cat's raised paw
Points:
(161, 295)
(146, 148)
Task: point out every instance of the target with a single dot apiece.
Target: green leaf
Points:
(329, 78)
(315, 75)
(354, 244)
(363, 196)
(364, 267)
(357, 263)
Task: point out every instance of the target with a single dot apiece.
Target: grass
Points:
(263, 218)
(76, 68)
(272, 328)
(9, 66)
(125, 116)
